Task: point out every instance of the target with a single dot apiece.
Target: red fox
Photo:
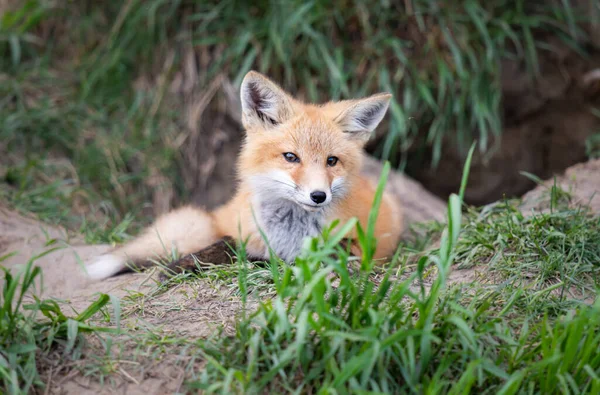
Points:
(299, 169)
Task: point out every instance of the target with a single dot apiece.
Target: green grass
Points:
(560, 247)
(30, 328)
(69, 73)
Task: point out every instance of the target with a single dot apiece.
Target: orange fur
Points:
(275, 125)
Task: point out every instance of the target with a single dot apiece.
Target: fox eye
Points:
(290, 157)
(332, 161)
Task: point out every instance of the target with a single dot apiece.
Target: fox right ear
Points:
(264, 104)
(363, 115)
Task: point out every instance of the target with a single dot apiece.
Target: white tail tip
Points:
(105, 266)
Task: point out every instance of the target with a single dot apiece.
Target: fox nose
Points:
(318, 196)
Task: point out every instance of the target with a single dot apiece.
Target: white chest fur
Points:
(286, 225)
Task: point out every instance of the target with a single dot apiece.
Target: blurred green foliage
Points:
(68, 71)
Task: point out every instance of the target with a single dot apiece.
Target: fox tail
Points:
(187, 229)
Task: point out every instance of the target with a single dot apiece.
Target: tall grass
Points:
(68, 73)
(441, 59)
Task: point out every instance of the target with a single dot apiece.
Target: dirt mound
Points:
(582, 182)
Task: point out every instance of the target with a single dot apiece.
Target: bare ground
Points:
(195, 309)
(581, 181)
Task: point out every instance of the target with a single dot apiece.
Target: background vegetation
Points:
(87, 99)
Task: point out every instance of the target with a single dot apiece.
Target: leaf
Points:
(15, 49)
(92, 309)
(72, 331)
(21, 348)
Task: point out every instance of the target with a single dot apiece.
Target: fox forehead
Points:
(312, 134)
(309, 135)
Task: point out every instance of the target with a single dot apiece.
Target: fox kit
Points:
(299, 169)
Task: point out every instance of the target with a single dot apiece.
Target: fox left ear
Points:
(264, 104)
(363, 115)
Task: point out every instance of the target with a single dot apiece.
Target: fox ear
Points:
(264, 104)
(362, 116)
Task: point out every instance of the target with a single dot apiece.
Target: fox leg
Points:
(187, 229)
